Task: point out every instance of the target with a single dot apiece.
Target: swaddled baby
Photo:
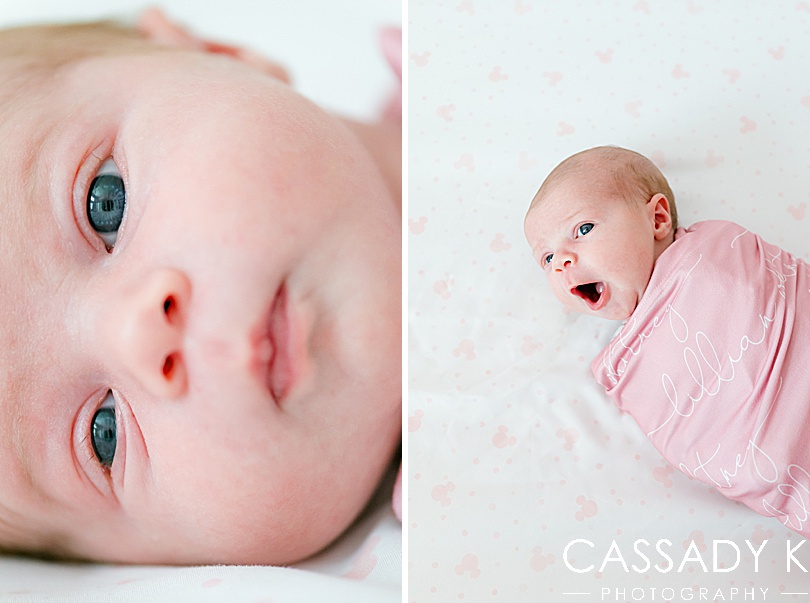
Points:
(709, 359)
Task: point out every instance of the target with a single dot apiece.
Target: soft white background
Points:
(513, 450)
(331, 51)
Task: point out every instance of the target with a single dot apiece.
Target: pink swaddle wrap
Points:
(713, 365)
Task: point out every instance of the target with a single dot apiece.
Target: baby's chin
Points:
(607, 313)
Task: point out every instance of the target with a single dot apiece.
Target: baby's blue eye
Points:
(103, 432)
(585, 228)
(106, 202)
(547, 259)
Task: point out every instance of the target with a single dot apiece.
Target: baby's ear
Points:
(156, 26)
(662, 216)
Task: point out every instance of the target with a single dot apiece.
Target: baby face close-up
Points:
(596, 248)
(241, 318)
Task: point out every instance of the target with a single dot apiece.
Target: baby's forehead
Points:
(544, 215)
(555, 207)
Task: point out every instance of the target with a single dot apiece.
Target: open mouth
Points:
(592, 293)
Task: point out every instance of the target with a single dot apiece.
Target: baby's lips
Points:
(604, 296)
(592, 293)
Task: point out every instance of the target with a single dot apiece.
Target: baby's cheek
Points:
(561, 294)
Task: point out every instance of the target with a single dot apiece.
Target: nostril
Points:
(168, 366)
(171, 310)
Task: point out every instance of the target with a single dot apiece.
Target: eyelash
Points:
(105, 159)
(101, 447)
(107, 203)
(100, 475)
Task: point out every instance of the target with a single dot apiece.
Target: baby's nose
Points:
(147, 331)
(562, 261)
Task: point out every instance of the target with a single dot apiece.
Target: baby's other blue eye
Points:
(547, 259)
(585, 228)
(106, 202)
(103, 433)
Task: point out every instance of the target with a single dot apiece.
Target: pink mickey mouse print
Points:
(569, 437)
(587, 508)
(446, 111)
(469, 563)
(529, 346)
(365, 561)
(713, 159)
(526, 163)
(732, 74)
(465, 348)
(522, 8)
(443, 287)
(417, 226)
(760, 534)
(498, 244)
(501, 439)
(415, 420)
(642, 6)
(466, 161)
(553, 77)
(441, 493)
(565, 129)
(420, 60)
(605, 56)
(632, 107)
(679, 72)
(661, 474)
(748, 125)
(805, 100)
(539, 561)
(699, 538)
(466, 6)
(798, 211)
(496, 75)
(777, 53)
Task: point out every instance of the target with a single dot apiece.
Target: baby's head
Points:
(597, 225)
(201, 365)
